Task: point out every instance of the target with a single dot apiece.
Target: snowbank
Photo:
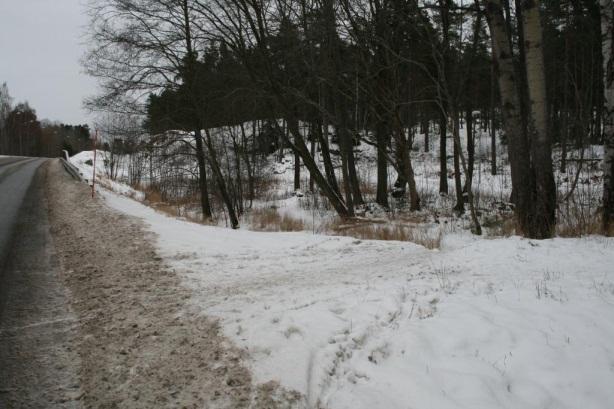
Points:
(506, 323)
(84, 161)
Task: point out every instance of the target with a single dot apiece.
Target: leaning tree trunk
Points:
(322, 135)
(299, 145)
(607, 23)
(458, 184)
(544, 217)
(221, 183)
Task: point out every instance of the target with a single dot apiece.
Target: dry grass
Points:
(152, 194)
(175, 208)
(269, 219)
(577, 225)
(578, 216)
(381, 230)
(265, 189)
(571, 222)
(500, 226)
(367, 188)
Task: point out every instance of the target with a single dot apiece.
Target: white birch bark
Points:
(541, 149)
(512, 121)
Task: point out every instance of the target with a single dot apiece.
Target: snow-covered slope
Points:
(506, 323)
(84, 161)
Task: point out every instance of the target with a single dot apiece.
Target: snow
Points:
(480, 323)
(84, 162)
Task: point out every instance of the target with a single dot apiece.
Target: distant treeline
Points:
(23, 134)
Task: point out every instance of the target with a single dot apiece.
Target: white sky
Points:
(41, 43)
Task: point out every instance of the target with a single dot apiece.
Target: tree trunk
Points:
(444, 66)
(202, 176)
(347, 184)
(356, 194)
(221, 183)
(477, 227)
(248, 165)
(458, 185)
(383, 138)
(518, 150)
(408, 170)
(564, 128)
(493, 129)
(346, 147)
(297, 171)
(443, 155)
(470, 147)
(345, 150)
(607, 23)
(300, 146)
(541, 149)
(425, 129)
(313, 154)
(238, 172)
(322, 134)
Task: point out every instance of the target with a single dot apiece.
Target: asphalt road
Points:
(15, 177)
(38, 355)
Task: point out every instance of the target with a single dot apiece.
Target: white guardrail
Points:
(70, 168)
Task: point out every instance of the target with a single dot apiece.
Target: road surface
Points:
(15, 177)
(38, 359)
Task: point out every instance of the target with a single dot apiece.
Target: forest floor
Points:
(140, 344)
(347, 323)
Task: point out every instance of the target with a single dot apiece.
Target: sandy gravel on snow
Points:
(140, 345)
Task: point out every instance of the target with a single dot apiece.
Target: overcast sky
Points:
(41, 43)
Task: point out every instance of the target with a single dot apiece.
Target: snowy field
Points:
(479, 323)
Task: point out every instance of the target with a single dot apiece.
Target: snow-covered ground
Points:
(84, 162)
(479, 323)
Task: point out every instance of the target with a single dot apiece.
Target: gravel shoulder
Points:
(140, 346)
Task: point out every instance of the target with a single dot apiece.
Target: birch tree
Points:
(541, 150)
(518, 152)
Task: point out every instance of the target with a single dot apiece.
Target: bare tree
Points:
(139, 47)
(5, 108)
(246, 27)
